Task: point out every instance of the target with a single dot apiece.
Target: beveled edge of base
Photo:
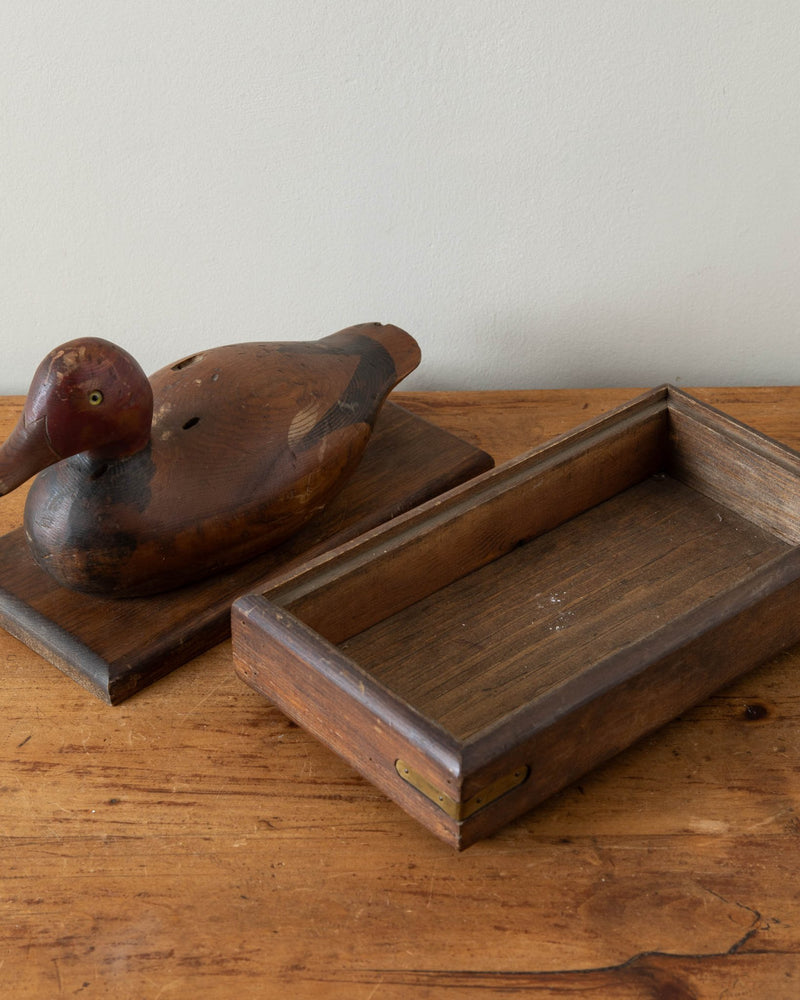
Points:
(57, 646)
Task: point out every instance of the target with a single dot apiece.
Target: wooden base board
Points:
(116, 647)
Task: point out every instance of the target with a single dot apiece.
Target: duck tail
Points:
(399, 345)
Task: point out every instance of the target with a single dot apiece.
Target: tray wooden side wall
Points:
(285, 638)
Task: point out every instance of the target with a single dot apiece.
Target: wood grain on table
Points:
(193, 842)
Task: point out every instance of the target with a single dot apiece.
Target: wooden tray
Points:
(479, 653)
(116, 647)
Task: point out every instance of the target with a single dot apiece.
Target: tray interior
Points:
(513, 630)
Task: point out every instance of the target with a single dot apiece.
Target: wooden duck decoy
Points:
(144, 484)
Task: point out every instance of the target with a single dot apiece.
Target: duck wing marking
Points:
(371, 381)
(303, 422)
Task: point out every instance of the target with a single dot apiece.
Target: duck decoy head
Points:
(86, 396)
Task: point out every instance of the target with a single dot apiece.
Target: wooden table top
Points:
(193, 842)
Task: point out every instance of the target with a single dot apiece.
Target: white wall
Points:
(545, 193)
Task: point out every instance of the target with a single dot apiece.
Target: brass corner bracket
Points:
(455, 809)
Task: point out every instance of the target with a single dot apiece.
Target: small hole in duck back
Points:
(186, 362)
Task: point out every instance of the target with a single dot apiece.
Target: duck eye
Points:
(95, 397)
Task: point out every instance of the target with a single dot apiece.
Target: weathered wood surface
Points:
(192, 842)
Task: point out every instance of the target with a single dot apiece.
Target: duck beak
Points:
(26, 452)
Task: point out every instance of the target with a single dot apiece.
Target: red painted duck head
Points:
(86, 396)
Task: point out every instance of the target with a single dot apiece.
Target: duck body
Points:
(214, 460)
